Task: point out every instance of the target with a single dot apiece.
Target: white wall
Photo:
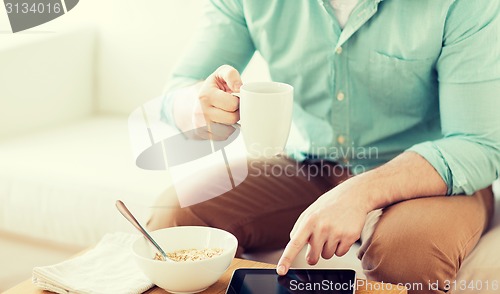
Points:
(140, 42)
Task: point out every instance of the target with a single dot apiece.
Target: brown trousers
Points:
(414, 241)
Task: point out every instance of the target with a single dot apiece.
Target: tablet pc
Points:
(267, 281)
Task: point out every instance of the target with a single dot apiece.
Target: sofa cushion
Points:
(39, 72)
(61, 184)
(482, 267)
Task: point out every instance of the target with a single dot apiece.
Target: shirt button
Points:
(345, 160)
(339, 50)
(341, 139)
(340, 96)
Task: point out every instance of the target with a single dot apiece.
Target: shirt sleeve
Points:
(223, 38)
(468, 155)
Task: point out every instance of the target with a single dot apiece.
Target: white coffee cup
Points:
(265, 117)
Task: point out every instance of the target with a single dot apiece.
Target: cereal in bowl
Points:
(191, 254)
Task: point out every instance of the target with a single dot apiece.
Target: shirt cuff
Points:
(437, 158)
(167, 106)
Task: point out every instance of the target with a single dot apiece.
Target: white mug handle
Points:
(236, 125)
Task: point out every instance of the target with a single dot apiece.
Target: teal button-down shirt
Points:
(420, 75)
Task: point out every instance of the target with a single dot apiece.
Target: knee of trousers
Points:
(409, 256)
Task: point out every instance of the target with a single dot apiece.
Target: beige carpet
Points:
(18, 256)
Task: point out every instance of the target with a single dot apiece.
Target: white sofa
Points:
(62, 163)
(66, 91)
(64, 159)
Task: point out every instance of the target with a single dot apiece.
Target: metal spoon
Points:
(130, 217)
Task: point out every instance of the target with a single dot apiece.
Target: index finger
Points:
(231, 78)
(292, 249)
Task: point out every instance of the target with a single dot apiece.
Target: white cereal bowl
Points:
(185, 276)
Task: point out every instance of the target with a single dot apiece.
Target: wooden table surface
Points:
(220, 286)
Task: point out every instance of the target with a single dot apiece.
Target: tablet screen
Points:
(260, 281)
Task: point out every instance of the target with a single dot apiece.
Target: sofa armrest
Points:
(46, 80)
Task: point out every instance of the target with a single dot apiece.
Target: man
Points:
(402, 94)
